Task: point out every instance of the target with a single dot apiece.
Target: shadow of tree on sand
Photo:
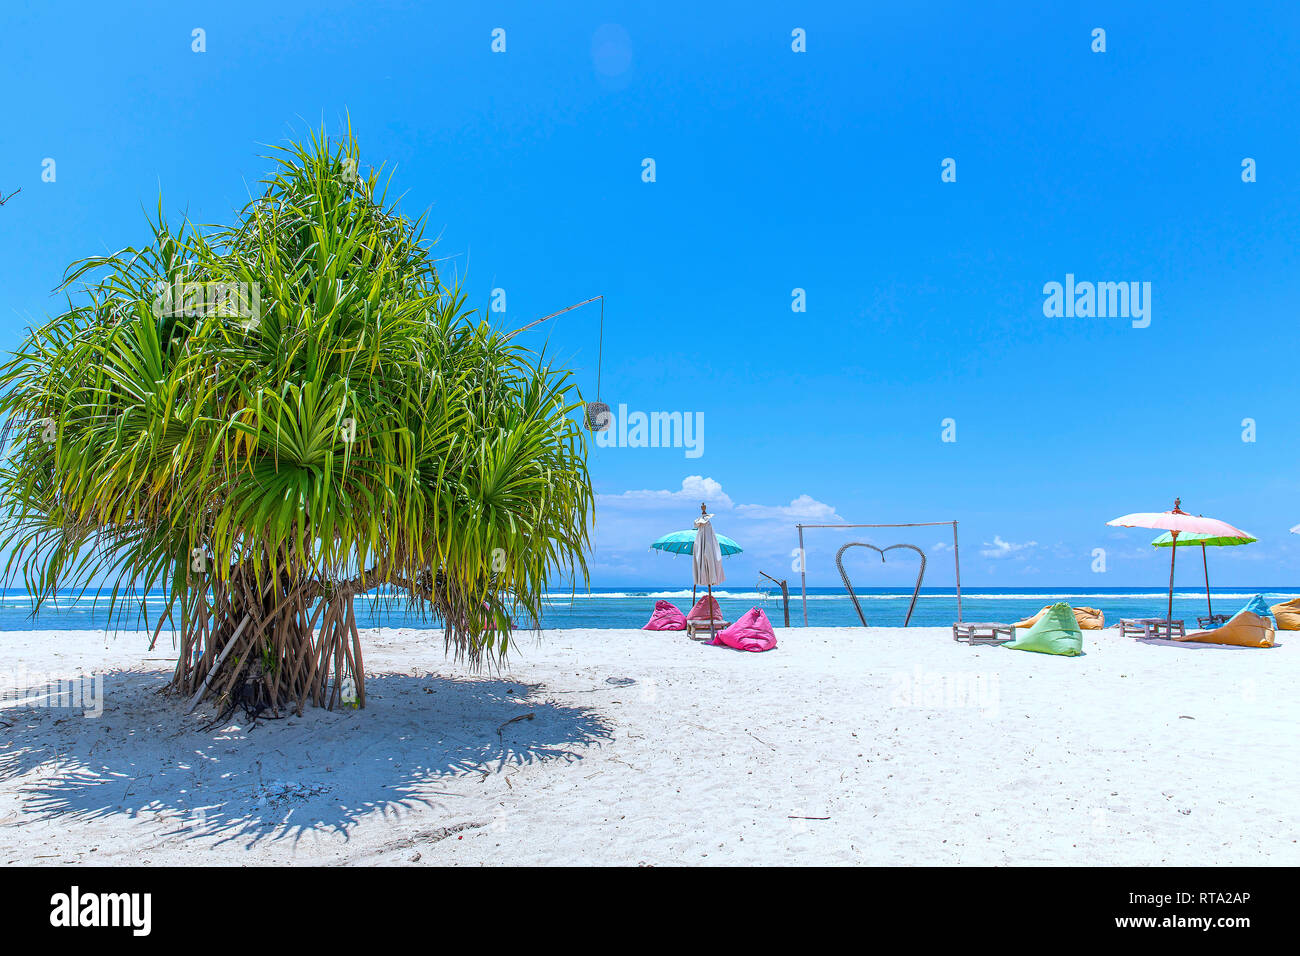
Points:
(277, 779)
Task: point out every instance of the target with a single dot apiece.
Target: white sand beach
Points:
(842, 746)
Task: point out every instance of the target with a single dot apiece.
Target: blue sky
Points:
(776, 170)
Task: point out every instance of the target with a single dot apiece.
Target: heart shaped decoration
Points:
(848, 586)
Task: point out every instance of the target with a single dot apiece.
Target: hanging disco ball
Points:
(598, 416)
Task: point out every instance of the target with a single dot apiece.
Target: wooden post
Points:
(1206, 564)
(1173, 551)
(803, 576)
(956, 558)
(710, 612)
(785, 595)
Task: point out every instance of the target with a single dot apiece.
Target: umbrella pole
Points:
(1208, 606)
(711, 613)
(1173, 552)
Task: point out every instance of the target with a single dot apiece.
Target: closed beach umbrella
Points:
(683, 542)
(706, 558)
(1167, 540)
(1177, 522)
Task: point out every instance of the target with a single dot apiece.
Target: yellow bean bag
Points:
(1088, 618)
(1244, 629)
(1287, 614)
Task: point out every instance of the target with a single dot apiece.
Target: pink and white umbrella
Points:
(1176, 522)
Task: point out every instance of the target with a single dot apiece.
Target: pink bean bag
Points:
(666, 618)
(706, 609)
(753, 632)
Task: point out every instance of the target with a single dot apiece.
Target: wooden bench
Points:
(1154, 628)
(983, 633)
(693, 626)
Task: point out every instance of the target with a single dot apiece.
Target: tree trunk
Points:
(257, 645)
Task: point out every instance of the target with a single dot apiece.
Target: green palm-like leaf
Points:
(363, 430)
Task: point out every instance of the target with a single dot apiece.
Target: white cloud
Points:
(805, 506)
(695, 489)
(1001, 549)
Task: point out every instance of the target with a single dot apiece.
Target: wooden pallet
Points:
(983, 633)
(1154, 628)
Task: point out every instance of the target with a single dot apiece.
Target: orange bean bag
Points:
(1244, 629)
(1088, 618)
(1287, 614)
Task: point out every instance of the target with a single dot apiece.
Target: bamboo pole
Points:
(956, 560)
(711, 612)
(570, 308)
(194, 702)
(1206, 564)
(803, 576)
(1173, 550)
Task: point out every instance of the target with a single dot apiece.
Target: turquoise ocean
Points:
(629, 607)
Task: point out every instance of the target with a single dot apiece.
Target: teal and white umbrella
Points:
(706, 567)
(683, 542)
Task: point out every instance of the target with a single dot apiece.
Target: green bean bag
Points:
(1056, 632)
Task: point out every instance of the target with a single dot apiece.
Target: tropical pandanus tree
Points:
(264, 421)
